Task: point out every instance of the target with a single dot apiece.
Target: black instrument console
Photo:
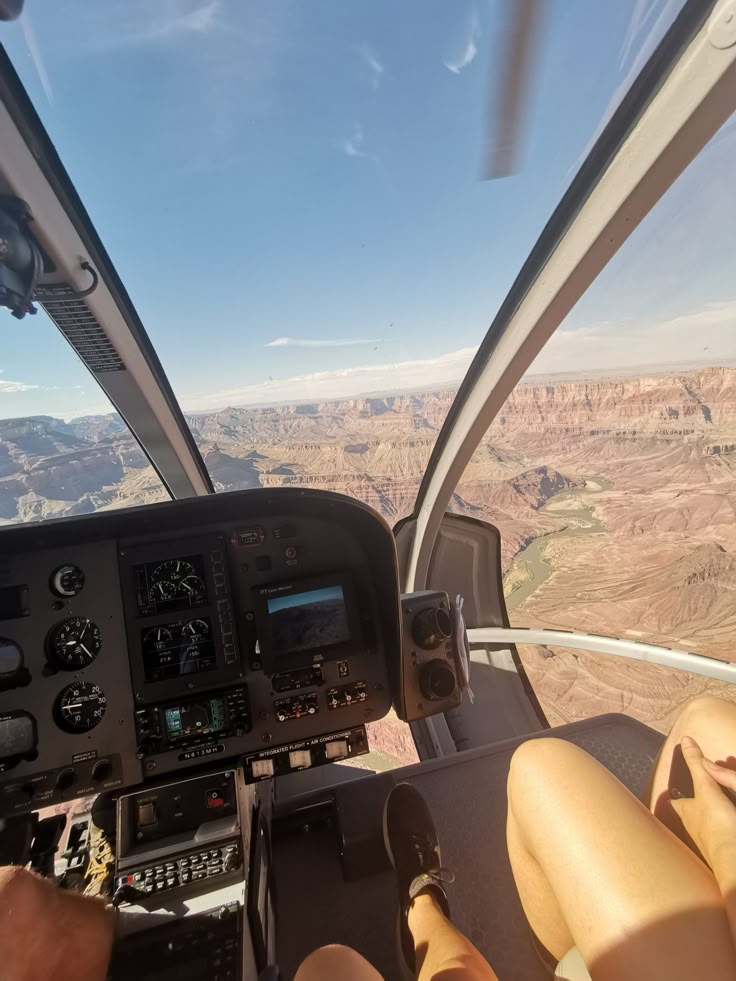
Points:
(140, 643)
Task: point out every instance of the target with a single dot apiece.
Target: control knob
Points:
(231, 862)
(437, 680)
(431, 627)
(66, 779)
(101, 770)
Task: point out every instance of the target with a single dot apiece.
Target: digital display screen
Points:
(13, 602)
(170, 585)
(308, 620)
(16, 736)
(171, 650)
(10, 657)
(209, 715)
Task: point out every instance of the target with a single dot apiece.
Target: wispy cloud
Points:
(353, 146)
(34, 50)
(695, 337)
(401, 376)
(225, 62)
(8, 387)
(374, 64)
(468, 48)
(166, 22)
(326, 342)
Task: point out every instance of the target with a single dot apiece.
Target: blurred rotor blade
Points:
(509, 88)
(29, 36)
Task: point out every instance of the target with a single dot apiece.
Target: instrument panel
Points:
(139, 643)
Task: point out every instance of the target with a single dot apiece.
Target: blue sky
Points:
(290, 192)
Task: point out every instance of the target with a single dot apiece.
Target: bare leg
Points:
(336, 963)
(595, 868)
(711, 722)
(443, 953)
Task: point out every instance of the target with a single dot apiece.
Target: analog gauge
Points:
(194, 631)
(172, 571)
(157, 638)
(191, 586)
(75, 643)
(162, 591)
(80, 707)
(67, 581)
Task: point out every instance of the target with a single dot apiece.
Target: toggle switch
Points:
(336, 750)
(300, 759)
(262, 768)
(147, 813)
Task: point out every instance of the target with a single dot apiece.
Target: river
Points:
(581, 521)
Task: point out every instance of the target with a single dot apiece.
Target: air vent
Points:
(75, 321)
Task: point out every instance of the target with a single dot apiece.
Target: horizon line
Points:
(557, 377)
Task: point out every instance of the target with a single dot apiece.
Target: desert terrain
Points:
(615, 497)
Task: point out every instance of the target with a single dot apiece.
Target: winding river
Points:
(581, 520)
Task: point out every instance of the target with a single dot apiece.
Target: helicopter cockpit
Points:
(232, 620)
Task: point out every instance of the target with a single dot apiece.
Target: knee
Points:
(702, 711)
(332, 961)
(535, 764)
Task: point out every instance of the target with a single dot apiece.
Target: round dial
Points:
(195, 630)
(162, 590)
(67, 580)
(191, 586)
(157, 638)
(172, 571)
(80, 707)
(75, 643)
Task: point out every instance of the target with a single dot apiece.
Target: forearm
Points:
(47, 934)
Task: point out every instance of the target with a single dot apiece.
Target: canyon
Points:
(615, 498)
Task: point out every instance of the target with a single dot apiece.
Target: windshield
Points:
(54, 462)
(291, 194)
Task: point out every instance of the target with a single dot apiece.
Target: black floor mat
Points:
(467, 796)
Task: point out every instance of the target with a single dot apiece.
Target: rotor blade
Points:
(505, 121)
(34, 51)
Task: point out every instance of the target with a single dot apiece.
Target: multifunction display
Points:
(200, 718)
(313, 618)
(170, 585)
(308, 621)
(17, 738)
(181, 647)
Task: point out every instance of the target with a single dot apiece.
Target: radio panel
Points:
(196, 721)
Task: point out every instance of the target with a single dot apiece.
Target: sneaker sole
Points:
(405, 971)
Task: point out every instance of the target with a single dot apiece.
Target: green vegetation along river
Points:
(529, 569)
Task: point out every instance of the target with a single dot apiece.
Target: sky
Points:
(290, 192)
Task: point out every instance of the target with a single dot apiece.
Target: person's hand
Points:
(50, 934)
(710, 816)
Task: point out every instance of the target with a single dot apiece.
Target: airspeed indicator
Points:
(80, 707)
